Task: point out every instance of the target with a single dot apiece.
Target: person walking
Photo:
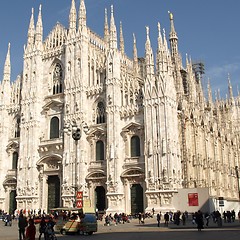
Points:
(199, 220)
(139, 218)
(8, 220)
(159, 218)
(22, 224)
(42, 228)
(142, 218)
(166, 219)
(184, 218)
(31, 230)
(207, 216)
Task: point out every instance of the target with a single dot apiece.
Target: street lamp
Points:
(76, 135)
(76, 131)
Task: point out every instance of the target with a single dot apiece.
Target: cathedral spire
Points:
(82, 16)
(230, 91)
(160, 41)
(121, 39)
(173, 37)
(31, 30)
(135, 55)
(113, 31)
(210, 100)
(165, 40)
(39, 27)
(6, 83)
(159, 57)
(7, 67)
(149, 54)
(106, 29)
(72, 18)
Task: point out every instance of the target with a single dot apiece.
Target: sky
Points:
(208, 30)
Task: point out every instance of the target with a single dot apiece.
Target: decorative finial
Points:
(164, 32)
(111, 9)
(170, 15)
(159, 29)
(147, 30)
(134, 38)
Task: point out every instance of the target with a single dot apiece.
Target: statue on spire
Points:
(170, 15)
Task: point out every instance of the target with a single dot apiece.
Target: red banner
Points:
(193, 199)
(79, 195)
(79, 203)
(79, 199)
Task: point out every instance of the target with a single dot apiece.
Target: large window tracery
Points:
(100, 113)
(17, 128)
(57, 79)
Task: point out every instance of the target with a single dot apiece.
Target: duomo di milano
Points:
(132, 134)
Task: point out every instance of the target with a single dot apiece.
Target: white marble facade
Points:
(143, 121)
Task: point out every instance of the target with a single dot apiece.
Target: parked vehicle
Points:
(85, 224)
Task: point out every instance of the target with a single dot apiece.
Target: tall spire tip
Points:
(170, 15)
(111, 9)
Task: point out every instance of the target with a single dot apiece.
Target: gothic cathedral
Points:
(128, 133)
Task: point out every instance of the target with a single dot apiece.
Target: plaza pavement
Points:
(150, 225)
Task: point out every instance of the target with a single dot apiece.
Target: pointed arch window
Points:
(135, 146)
(100, 113)
(57, 79)
(17, 128)
(14, 160)
(54, 128)
(99, 150)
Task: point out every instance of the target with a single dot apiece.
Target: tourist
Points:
(22, 224)
(31, 230)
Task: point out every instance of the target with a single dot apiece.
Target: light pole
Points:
(76, 135)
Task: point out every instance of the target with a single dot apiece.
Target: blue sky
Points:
(208, 30)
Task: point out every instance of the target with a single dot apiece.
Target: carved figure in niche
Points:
(76, 107)
(67, 108)
(164, 174)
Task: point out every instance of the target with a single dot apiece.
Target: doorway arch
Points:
(100, 198)
(136, 199)
(12, 201)
(53, 192)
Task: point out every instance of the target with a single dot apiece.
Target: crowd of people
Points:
(121, 218)
(198, 218)
(27, 227)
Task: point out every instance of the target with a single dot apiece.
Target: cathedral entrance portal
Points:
(136, 198)
(53, 192)
(100, 198)
(12, 201)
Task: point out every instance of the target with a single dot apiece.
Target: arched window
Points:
(57, 79)
(14, 160)
(135, 146)
(17, 128)
(99, 150)
(54, 128)
(100, 113)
